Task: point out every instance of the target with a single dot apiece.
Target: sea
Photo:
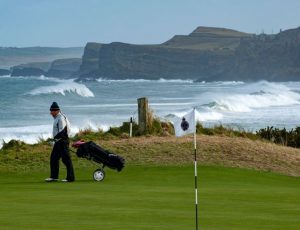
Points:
(100, 104)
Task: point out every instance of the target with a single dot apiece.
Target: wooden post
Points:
(143, 114)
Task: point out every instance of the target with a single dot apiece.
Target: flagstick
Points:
(196, 186)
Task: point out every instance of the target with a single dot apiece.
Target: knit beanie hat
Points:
(54, 107)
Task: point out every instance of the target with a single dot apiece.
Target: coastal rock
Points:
(37, 65)
(27, 71)
(265, 57)
(64, 68)
(207, 54)
(125, 61)
(4, 72)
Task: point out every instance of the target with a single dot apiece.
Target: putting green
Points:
(151, 198)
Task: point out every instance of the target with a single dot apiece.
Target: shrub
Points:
(281, 136)
(13, 144)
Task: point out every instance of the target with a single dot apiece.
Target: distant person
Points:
(61, 130)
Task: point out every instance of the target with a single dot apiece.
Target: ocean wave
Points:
(266, 95)
(119, 105)
(101, 105)
(33, 134)
(27, 134)
(230, 82)
(199, 116)
(5, 76)
(42, 78)
(168, 104)
(53, 79)
(161, 80)
(87, 124)
(63, 87)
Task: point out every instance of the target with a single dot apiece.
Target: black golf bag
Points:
(91, 151)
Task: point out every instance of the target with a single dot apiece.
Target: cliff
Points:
(60, 68)
(64, 68)
(27, 71)
(90, 59)
(123, 61)
(206, 54)
(4, 72)
(268, 57)
(207, 38)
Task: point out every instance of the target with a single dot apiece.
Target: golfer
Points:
(61, 129)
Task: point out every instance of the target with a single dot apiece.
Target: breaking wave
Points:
(27, 134)
(63, 87)
(161, 80)
(5, 76)
(199, 116)
(33, 134)
(268, 94)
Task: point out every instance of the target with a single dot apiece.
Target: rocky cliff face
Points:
(90, 60)
(60, 68)
(275, 58)
(124, 61)
(64, 68)
(206, 54)
(27, 71)
(4, 72)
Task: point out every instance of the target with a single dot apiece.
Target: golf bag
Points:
(91, 151)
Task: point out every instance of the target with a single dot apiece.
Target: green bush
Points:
(281, 136)
(13, 144)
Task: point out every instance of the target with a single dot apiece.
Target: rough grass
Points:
(153, 150)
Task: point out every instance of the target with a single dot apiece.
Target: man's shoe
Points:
(66, 180)
(51, 179)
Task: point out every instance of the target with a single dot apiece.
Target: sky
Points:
(69, 23)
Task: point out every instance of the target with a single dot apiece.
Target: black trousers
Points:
(61, 150)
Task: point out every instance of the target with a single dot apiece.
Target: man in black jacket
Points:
(61, 130)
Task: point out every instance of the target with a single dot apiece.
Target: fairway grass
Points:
(151, 197)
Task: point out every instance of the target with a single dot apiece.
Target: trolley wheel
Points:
(99, 175)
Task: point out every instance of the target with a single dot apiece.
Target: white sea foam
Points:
(32, 134)
(265, 95)
(5, 76)
(87, 124)
(229, 82)
(66, 86)
(202, 116)
(208, 116)
(101, 105)
(44, 78)
(161, 80)
(171, 104)
(27, 134)
(175, 80)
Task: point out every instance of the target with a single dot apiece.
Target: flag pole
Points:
(196, 184)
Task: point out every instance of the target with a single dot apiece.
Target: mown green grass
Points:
(150, 197)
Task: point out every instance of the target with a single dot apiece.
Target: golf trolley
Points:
(94, 152)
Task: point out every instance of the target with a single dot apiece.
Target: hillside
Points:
(207, 54)
(207, 38)
(212, 150)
